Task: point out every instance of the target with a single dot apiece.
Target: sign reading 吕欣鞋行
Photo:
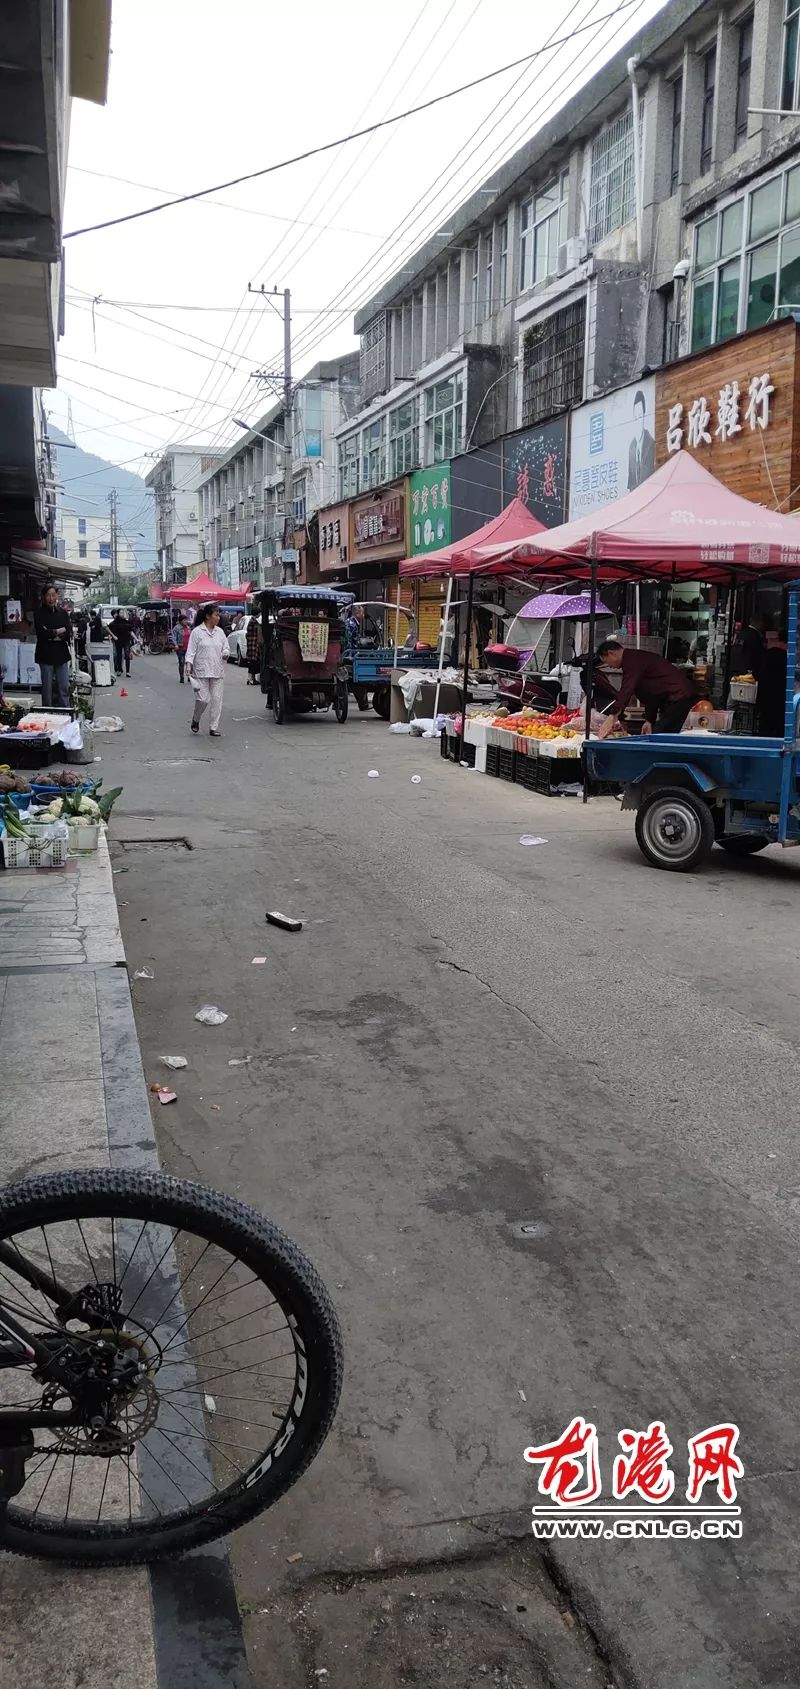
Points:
(612, 447)
(733, 407)
(431, 509)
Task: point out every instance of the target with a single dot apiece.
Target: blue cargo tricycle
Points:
(691, 791)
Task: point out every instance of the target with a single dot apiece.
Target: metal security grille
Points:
(372, 369)
(612, 193)
(552, 370)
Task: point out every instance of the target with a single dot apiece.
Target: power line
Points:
(342, 140)
(245, 210)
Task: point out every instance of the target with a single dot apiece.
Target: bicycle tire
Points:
(259, 1245)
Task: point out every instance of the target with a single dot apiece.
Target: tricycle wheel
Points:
(340, 701)
(743, 844)
(675, 829)
(381, 703)
(279, 699)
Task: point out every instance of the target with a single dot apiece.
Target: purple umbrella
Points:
(550, 606)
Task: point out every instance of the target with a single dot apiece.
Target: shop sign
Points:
(691, 424)
(333, 537)
(476, 489)
(431, 509)
(612, 447)
(534, 470)
(378, 524)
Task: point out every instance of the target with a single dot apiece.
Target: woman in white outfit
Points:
(206, 656)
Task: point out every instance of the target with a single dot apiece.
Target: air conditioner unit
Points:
(570, 254)
(251, 491)
(192, 515)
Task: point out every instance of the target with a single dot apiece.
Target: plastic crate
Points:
(30, 750)
(507, 764)
(493, 760)
(526, 773)
(42, 853)
(451, 751)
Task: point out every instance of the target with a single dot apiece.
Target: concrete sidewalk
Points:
(74, 1095)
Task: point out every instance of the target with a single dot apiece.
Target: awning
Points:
(462, 557)
(40, 563)
(202, 590)
(681, 523)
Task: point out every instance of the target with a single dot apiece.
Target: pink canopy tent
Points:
(513, 525)
(681, 523)
(202, 590)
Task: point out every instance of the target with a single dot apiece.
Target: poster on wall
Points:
(612, 447)
(535, 468)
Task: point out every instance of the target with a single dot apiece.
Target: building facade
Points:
(657, 214)
(87, 539)
(174, 480)
(246, 524)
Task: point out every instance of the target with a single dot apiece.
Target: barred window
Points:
(552, 363)
(372, 368)
(612, 192)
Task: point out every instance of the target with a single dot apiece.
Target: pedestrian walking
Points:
(122, 635)
(206, 655)
(254, 640)
(180, 639)
(53, 638)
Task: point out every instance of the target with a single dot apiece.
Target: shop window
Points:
(373, 454)
(612, 192)
(502, 262)
(707, 119)
(444, 420)
(742, 280)
(372, 360)
(743, 65)
(552, 366)
(348, 467)
(761, 294)
(728, 300)
(543, 227)
(703, 315)
(677, 126)
(403, 439)
(791, 24)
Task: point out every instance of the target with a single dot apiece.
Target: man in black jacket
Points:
(122, 634)
(53, 638)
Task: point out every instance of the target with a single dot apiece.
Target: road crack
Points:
(458, 967)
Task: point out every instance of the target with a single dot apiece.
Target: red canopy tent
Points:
(202, 590)
(515, 523)
(681, 523)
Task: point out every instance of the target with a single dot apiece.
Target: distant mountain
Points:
(87, 481)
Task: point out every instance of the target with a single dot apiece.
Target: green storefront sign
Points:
(430, 509)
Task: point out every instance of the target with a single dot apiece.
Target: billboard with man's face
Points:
(612, 447)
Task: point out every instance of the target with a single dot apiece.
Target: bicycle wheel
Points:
(198, 1356)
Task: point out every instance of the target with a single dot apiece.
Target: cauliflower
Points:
(89, 807)
(55, 809)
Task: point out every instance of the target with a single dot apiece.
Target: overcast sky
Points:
(201, 92)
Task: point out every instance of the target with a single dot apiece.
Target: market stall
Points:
(202, 590)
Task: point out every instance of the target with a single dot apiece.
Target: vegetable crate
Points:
(449, 749)
(44, 852)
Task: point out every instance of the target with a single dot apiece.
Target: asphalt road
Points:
(468, 1036)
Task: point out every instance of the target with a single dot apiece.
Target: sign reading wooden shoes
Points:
(612, 447)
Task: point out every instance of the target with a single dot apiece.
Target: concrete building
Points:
(87, 539)
(174, 480)
(586, 261)
(243, 512)
(53, 51)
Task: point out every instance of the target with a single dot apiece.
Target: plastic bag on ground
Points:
(144, 973)
(210, 1015)
(109, 724)
(174, 1061)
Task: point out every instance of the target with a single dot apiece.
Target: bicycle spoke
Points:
(149, 1280)
(224, 1327)
(88, 1255)
(103, 1490)
(132, 1253)
(240, 1469)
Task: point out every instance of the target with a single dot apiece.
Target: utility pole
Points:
(288, 426)
(112, 504)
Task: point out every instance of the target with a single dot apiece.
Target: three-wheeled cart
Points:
(691, 791)
(301, 656)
